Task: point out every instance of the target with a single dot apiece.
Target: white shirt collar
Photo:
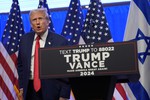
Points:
(43, 37)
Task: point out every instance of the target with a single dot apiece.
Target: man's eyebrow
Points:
(37, 18)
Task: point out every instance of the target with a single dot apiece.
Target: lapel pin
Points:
(49, 43)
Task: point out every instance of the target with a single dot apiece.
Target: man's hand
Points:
(20, 96)
(61, 98)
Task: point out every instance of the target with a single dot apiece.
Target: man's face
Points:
(39, 23)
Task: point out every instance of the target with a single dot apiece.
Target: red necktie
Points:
(37, 82)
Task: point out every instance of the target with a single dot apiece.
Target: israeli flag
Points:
(138, 28)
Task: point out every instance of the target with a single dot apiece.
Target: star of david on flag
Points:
(138, 29)
(146, 39)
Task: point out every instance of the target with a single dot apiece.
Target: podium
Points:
(93, 69)
(97, 87)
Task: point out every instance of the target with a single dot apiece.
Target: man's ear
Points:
(48, 22)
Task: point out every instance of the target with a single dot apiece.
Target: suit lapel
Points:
(49, 40)
(29, 46)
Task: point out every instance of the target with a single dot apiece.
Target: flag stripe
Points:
(2, 95)
(14, 59)
(113, 98)
(140, 95)
(6, 60)
(7, 68)
(143, 7)
(5, 89)
(116, 95)
(128, 91)
(121, 91)
(7, 78)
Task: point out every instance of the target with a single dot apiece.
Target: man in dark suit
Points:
(49, 89)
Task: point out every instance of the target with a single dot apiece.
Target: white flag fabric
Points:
(138, 29)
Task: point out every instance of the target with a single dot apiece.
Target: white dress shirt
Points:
(42, 44)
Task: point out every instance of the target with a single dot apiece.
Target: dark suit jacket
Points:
(52, 89)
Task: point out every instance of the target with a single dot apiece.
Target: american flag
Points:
(73, 23)
(119, 92)
(43, 4)
(9, 52)
(96, 28)
(73, 26)
(138, 28)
